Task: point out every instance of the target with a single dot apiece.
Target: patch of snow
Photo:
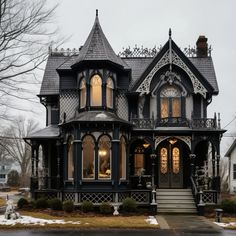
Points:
(226, 224)
(151, 220)
(28, 220)
(101, 115)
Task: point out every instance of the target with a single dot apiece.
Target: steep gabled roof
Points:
(231, 149)
(97, 48)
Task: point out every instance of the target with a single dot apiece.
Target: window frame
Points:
(111, 90)
(234, 171)
(81, 89)
(92, 87)
(123, 159)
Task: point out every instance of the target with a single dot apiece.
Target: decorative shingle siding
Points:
(69, 101)
(122, 106)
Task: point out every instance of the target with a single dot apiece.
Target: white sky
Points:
(129, 22)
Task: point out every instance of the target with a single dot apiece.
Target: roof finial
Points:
(170, 32)
(96, 12)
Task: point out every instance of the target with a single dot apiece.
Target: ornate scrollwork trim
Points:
(186, 139)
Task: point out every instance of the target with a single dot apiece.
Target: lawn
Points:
(2, 202)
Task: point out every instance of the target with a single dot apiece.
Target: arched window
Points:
(83, 93)
(70, 159)
(170, 98)
(104, 157)
(109, 93)
(122, 164)
(164, 160)
(88, 157)
(139, 161)
(175, 160)
(96, 91)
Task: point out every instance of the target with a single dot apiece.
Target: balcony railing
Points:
(195, 123)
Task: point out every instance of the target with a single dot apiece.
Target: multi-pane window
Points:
(234, 171)
(2, 176)
(170, 98)
(109, 93)
(70, 159)
(88, 145)
(122, 160)
(175, 160)
(139, 161)
(164, 160)
(96, 91)
(104, 157)
(83, 93)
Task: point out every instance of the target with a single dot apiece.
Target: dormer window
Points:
(83, 93)
(96, 91)
(109, 92)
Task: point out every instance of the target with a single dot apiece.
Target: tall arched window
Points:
(122, 164)
(170, 98)
(88, 157)
(164, 160)
(109, 93)
(104, 157)
(175, 160)
(70, 159)
(83, 93)
(139, 165)
(96, 91)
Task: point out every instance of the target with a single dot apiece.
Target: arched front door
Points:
(170, 172)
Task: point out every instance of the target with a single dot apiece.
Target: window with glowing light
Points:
(104, 157)
(88, 157)
(122, 164)
(164, 160)
(70, 159)
(83, 93)
(109, 93)
(139, 161)
(175, 160)
(96, 91)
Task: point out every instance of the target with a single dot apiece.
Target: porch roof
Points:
(49, 132)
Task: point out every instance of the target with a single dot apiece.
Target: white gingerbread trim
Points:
(185, 139)
(198, 87)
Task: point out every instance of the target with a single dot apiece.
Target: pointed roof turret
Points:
(97, 47)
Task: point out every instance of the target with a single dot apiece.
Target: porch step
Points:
(175, 201)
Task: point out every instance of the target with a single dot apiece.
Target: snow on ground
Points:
(28, 220)
(151, 220)
(226, 224)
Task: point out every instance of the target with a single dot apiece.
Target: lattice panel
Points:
(47, 195)
(96, 197)
(209, 197)
(122, 106)
(140, 197)
(69, 101)
(122, 196)
(69, 197)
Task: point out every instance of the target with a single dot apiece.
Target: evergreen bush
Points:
(87, 206)
(228, 205)
(41, 203)
(55, 204)
(129, 205)
(105, 208)
(22, 202)
(68, 206)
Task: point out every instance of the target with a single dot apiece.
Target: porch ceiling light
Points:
(172, 141)
(146, 145)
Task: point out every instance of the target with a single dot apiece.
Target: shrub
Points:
(32, 204)
(55, 204)
(86, 206)
(41, 203)
(22, 202)
(105, 208)
(129, 205)
(229, 205)
(68, 206)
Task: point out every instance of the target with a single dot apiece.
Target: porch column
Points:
(192, 160)
(58, 145)
(32, 161)
(153, 157)
(37, 161)
(213, 164)
(218, 165)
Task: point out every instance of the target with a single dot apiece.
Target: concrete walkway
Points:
(187, 222)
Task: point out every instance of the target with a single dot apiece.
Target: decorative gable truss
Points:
(198, 87)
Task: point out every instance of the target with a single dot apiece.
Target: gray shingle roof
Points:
(51, 131)
(97, 47)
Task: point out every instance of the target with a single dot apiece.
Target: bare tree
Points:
(26, 32)
(16, 148)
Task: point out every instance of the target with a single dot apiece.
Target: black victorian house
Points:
(128, 125)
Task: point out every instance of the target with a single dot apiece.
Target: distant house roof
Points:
(51, 131)
(231, 148)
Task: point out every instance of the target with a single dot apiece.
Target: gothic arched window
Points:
(104, 157)
(70, 159)
(109, 92)
(83, 93)
(122, 161)
(170, 99)
(96, 91)
(88, 163)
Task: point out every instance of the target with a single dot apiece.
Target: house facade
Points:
(5, 169)
(231, 154)
(124, 126)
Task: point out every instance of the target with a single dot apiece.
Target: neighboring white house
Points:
(231, 154)
(5, 168)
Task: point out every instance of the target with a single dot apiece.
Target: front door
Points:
(170, 165)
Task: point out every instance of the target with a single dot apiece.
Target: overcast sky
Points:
(129, 22)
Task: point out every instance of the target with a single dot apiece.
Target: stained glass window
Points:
(164, 161)
(83, 93)
(70, 159)
(122, 167)
(96, 91)
(109, 93)
(138, 160)
(175, 160)
(104, 157)
(88, 157)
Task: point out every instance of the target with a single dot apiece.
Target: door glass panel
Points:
(164, 161)
(164, 107)
(138, 161)
(175, 160)
(176, 107)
